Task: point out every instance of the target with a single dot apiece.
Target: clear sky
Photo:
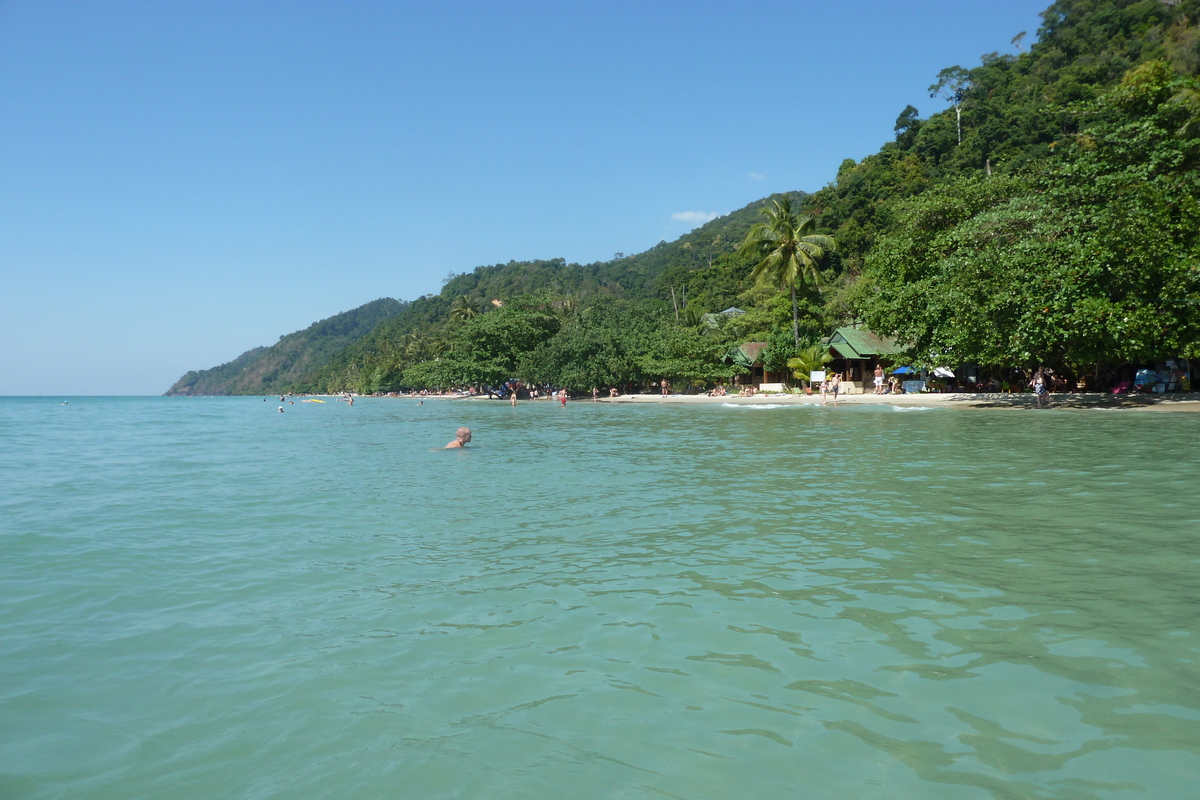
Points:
(180, 182)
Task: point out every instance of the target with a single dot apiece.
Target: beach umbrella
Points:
(943, 372)
(902, 371)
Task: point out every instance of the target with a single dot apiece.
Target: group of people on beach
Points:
(535, 393)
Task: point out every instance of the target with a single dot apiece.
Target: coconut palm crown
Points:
(807, 360)
(788, 251)
(464, 309)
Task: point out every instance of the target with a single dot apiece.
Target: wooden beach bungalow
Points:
(748, 356)
(856, 352)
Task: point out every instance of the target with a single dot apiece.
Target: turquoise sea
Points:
(205, 598)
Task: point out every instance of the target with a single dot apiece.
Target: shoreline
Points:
(1186, 402)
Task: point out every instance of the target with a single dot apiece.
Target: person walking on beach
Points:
(1040, 390)
(835, 385)
(878, 379)
(666, 387)
(461, 437)
(824, 391)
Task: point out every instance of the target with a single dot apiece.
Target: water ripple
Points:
(203, 598)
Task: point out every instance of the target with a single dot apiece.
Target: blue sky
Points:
(180, 182)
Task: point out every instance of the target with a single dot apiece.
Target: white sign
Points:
(816, 376)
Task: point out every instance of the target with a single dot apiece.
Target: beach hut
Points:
(855, 352)
(748, 356)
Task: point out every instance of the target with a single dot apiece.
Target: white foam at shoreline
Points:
(748, 405)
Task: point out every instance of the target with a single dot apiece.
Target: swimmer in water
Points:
(461, 437)
(281, 409)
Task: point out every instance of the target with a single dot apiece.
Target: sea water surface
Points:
(205, 598)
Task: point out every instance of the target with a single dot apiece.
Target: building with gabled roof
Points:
(748, 356)
(856, 351)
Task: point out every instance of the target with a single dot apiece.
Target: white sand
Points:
(1158, 402)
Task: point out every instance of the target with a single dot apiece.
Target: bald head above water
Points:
(461, 437)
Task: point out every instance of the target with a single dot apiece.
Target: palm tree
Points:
(807, 360)
(463, 309)
(414, 346)
(691, 315)
(788, 251)
(436, 348)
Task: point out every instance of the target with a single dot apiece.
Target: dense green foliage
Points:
(1046, 215)
(1083, 257)
(1091, 258)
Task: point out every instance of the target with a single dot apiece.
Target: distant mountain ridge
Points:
(280, 367)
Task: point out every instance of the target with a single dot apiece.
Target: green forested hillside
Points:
(700, 266)
(1045, 213)
(1063, 230)
(217, 379)
(285, 364)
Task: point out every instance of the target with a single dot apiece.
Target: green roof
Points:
(858, 343)
(746, 355)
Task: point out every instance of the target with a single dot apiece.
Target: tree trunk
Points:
(795, 318)
(675, 303)
(958, 119)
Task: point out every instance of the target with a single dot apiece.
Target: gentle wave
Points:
(757, 405)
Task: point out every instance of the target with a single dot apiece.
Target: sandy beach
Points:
(1189, 402)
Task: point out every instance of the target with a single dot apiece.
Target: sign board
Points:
(816, 376)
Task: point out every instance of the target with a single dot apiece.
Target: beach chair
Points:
(1122, 387)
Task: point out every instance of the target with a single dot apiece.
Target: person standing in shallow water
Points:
(835, 386)
(1040, 390)
(462, 437)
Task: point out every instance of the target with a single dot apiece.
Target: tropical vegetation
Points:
(1045, 214)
